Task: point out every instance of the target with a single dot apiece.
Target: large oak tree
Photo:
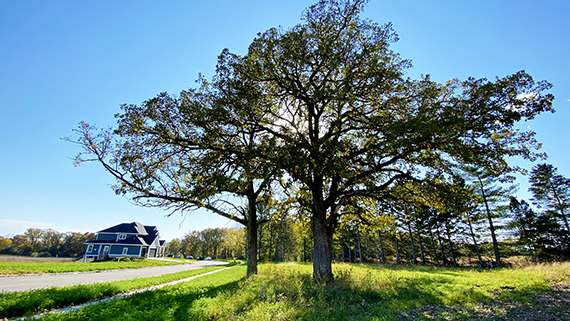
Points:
(327, 103)
(349, 123)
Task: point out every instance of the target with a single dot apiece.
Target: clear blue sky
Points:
(66, 61)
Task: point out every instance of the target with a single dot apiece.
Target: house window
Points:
(122, 236)
(89, 248)
(125, 250)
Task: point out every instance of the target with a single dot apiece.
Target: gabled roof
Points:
(133, 228)
(132, 240)
(152, 234)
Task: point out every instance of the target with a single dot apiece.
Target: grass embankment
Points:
(30, 302)
(61, 267)
(360, 292)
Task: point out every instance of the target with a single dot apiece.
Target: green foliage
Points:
(46, 242)
(61, 267)
(359, 292)
(31, 302)
(327, 103)
(539, 234)
(552, 191)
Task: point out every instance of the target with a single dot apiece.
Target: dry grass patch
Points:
(17, 258)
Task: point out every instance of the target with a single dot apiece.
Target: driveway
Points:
(48, 280)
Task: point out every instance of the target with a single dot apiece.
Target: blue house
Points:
(126, 239)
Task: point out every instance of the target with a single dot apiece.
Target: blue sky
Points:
(62, 62)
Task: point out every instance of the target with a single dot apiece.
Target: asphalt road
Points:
(48, 280)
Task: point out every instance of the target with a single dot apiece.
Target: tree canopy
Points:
(350, 124)
(327, 105)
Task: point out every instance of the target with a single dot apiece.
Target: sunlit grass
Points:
(359, 292)
(185, 301)
(61, 267)
(29, 302)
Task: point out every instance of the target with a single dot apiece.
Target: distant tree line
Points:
(475, 221)
(456, 231)
(217, 243)
(46, 242)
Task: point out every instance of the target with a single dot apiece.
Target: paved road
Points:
(48, 280)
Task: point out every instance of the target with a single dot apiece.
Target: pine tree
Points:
(552, 191)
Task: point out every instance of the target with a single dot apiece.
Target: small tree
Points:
(174, 247)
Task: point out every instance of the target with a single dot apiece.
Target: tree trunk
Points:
(381, 247)
(359, 246)
(560, 204)
(270, 249)
(412, 242)
(283, 241)
(252, 226)
(322, 267)
(421, 247)
(322, 233)
(420, 241)
(532, 256)
(443, 260)
(434, 247)
(475, 242)
(398, 261)
(377, 250)
(450, 243)
(260, 231)
(366, 249)
(304, 250)
(491, 227)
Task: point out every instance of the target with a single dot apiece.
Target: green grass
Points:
(180, 259)
(359, 292)
(61, 267)
(30, 302)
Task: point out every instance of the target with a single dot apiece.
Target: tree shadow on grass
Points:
(418, 298)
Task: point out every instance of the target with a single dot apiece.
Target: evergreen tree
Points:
(539, 234)
(492, 198)
(552, 191)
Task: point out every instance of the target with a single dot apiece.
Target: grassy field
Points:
(19, 258)
(16, 304)
(360, 292)
(61, 267)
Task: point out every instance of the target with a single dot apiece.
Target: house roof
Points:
(132, 240)
(133, 228)
(152, 234)
(144, 234)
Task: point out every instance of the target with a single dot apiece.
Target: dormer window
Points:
(122, 236)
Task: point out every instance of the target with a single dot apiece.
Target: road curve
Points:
(48, 280)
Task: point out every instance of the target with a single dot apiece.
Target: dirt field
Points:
(16, 258)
